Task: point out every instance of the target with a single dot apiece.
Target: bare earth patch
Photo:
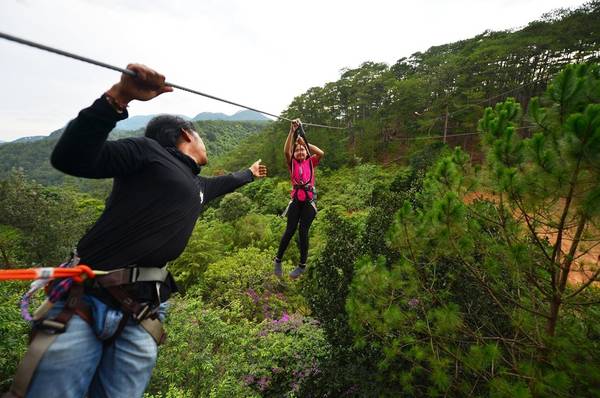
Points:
(587, 257)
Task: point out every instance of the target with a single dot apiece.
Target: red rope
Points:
(78, 273)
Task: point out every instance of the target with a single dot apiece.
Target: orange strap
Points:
(78, 273)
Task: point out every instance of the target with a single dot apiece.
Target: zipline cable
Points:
(469, 105)
(433, 137)
(453, 135)
(133, 74)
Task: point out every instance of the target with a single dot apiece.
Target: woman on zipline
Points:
(302, 158)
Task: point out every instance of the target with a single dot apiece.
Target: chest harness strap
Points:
(305, 186)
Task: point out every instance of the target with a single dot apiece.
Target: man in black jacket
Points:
(107, 343)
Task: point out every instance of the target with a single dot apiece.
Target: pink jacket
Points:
(302, 173)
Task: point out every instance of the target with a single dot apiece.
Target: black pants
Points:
(302, 213)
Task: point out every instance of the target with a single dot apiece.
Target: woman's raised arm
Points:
(289, 142)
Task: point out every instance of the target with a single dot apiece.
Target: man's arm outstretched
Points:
(221, 185)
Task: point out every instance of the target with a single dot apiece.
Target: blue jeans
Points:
(78, 364)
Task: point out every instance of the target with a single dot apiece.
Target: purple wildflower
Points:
(253, 295)
(413, 302)
(263, 383)
(285, 317)
(295, 387)
(351, 391)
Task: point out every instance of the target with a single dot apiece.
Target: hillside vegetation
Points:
(33, 157)
(434, 271)
(442, 90)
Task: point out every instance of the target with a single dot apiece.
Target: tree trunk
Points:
(553, 319)
(446, 124)
(5, 258)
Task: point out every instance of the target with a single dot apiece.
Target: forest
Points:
(455, 252)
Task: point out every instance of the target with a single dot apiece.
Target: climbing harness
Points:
(43, 276)
(70, 280)
(305, 185)
(133, 74)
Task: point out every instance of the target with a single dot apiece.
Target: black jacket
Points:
(157, 193)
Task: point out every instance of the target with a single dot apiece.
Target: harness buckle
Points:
(133, 274)
(51, 326)
(140, 316)
(72, 301)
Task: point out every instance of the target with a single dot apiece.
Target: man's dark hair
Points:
(166, 129)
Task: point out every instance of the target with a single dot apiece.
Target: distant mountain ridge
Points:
(211, 116)
(32, 154)
(245, 115)
(134, 123)
(139, 122)
(30, 139)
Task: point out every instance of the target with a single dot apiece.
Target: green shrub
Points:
(258, 230)
(209, 242)
(216, 352)
(233, 206)
(246, 279)
(14, 331)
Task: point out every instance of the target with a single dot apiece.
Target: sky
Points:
(259, 53)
